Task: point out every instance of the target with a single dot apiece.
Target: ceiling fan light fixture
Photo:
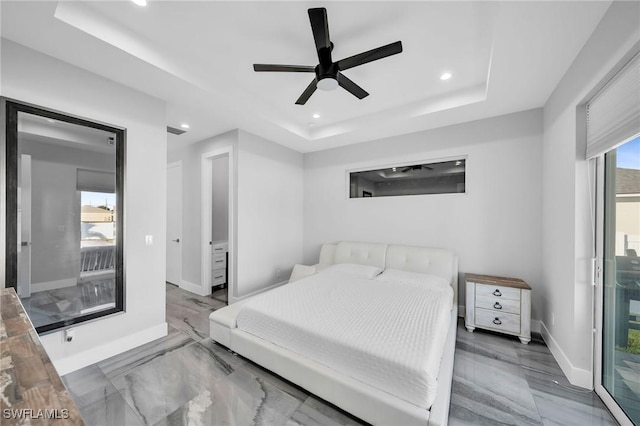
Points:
(445, 76)
(316, 115)
(327, 84)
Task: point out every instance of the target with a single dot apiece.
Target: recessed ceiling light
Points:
(140, 2)
(458, 163)
(184, 125)
(394, 169)
(445, 76)
(316, 115)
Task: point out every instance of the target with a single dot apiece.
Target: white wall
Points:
(220, 199)
(269, 213)
(494, 228)
(35, 78)
(268, 210)
(190, 155)
(567, 231)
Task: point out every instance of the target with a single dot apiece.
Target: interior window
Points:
(445, 177)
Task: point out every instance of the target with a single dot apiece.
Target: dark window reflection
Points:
(445, 177)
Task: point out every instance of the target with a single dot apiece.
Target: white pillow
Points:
(391, 274)
(362, 271)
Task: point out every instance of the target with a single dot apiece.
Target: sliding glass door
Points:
(619, 247)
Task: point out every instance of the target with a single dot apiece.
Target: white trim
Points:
(52, 285)
(180, 244)
(611, 404)
(206, 185)
(194, 288)
(99, 353)
(576, 376)
(461, 311)
(234, 299)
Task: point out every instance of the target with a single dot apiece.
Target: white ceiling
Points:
(198, 56)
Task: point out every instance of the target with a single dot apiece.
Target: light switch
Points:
(148, 239)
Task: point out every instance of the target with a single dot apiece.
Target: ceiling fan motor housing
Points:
(327, 76)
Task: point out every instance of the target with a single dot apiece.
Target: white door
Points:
(174, 223)
(24, 226)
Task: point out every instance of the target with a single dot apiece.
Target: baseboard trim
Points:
(195, 288)
(115, 347)
(576, 376)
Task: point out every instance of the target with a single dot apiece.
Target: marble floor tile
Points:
(121, 364)
(156, 389)
(316, 412)
(568, 412)
(240, 399)
(98, 400)
(195, 325)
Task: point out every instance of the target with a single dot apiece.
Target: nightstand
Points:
(499, 304)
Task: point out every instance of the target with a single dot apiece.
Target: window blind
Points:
(96, 181)
(613, 115)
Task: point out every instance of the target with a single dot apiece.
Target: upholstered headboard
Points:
(434, 261)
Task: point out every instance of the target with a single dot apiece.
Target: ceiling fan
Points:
(328, 73)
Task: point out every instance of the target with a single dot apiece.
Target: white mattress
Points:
(389, 335)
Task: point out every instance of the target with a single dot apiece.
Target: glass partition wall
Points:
(621, 278)
(64, 184)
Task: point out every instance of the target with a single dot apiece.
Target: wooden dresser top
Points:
(493, 280)
(33, 392)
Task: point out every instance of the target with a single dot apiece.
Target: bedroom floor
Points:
(187, 379)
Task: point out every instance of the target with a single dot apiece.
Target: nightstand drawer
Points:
(498, 304)
(497, 291)
(219, 261)
(218, 276)
(498, 321)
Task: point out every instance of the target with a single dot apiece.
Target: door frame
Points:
(598, 277)
(177, 164)
(206, 199)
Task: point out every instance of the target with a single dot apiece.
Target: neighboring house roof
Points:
(91, 209)
(627, 181)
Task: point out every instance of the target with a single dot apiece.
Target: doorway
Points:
(217, 179)
(618, 324)
(174, 223)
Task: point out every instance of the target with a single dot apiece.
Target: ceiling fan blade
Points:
(351, 87)
(405, 170)
(283, 68)
(320, 27)
(371, 55)
(307, 93)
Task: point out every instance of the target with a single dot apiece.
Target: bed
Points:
(371, 328)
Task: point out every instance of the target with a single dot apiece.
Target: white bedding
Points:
(386, 332)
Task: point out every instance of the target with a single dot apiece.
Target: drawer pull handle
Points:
(219, 261)
(497, 293)
(497, 321)
(497, 306)
(217, 249)
(219, 276)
